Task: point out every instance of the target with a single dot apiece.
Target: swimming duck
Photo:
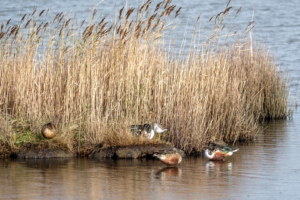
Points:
(49, 131)
(169, 158)
(219, 152)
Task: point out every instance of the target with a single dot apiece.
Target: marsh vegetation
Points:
(93, 80)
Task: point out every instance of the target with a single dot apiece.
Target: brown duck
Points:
(169, 158)
(49, 131)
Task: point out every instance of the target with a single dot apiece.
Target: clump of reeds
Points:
(122, 136)
(91, 77)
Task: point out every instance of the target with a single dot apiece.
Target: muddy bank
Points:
(130, 151)
(48, 149)
(5, 149)
(42, 150)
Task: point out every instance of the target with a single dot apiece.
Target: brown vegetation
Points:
(92, 82)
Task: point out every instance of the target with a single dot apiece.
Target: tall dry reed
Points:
(91, 80)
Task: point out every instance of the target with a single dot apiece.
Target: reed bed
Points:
(92, 80)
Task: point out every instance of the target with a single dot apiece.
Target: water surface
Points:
(265, 169)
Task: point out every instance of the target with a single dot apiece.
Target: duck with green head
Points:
(219, 151)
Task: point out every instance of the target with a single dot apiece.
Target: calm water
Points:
(266, 169)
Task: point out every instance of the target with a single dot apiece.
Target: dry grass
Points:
(89, 80)
(121, 137)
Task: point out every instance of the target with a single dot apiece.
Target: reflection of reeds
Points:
(90, 79)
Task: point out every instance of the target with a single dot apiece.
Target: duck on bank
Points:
(147, 131)
(49, 131)
(217, 149)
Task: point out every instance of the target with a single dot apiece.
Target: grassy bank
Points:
(92, 80)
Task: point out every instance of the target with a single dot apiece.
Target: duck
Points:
(170, 158)
(49, 131)
(146, 130)
(159, 128)
(219, 151)
(136, 128)
(141, 130)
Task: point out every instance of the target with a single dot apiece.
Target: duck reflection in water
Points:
(168, 173)
(218, 167)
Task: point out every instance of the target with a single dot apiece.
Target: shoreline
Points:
(49, 150)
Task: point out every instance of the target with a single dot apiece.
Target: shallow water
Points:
(266, 169)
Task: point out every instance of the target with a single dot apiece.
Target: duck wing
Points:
(228, 148)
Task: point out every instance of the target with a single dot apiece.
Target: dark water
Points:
(266, 169)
